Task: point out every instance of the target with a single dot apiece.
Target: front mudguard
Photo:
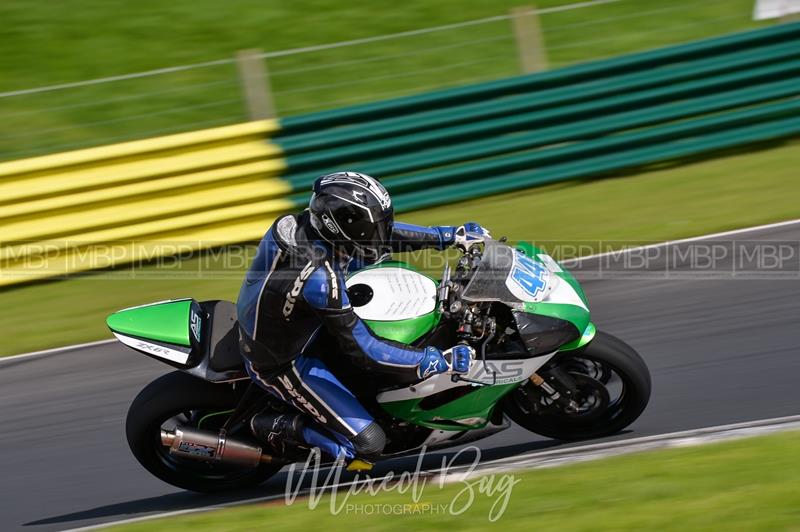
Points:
(587, 336)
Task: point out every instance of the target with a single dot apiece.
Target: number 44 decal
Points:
(529, 275)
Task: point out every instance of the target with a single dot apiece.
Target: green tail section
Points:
(167, 321)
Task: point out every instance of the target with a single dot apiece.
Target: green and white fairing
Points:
(565, 298)
(403, 306)
(398, 303)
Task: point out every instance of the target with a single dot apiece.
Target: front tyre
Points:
(179, 398)
(613, 388)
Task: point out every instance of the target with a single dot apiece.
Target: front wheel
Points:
(612, 386)
(178, 398)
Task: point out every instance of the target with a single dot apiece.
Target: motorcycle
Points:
(540, 362)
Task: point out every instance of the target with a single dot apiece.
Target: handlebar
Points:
(475, 325)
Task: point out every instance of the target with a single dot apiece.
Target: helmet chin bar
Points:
(344, 246)
(352, 249)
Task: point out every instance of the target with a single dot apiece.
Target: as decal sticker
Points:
(194, 325)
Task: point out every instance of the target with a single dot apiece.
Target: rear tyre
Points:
(613, 385)
(178, 397)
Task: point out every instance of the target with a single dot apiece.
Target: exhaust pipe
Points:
(209, 446)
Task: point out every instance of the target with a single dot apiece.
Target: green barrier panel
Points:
(579, 150)
(360, 152)
(549, 158)
(583, 129)
(545, 99)
(572, 74)
(599, 166)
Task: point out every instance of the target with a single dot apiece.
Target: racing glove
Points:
(468, 235)
(455, 360)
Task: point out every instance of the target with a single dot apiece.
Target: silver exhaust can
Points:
(209, 446)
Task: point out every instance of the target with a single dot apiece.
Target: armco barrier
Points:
(226, 184)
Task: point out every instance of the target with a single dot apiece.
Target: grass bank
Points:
(749, 484)
(46, 43)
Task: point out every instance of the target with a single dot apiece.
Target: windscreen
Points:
(506, 275)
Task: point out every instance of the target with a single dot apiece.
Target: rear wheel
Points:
(180, 399)
(613, 389)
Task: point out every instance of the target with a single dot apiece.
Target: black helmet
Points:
(352, 211)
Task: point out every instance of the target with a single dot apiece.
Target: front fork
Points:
(559, 386)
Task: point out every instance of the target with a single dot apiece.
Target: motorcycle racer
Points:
(296, 286)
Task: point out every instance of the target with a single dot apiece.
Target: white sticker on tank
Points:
(398, 294)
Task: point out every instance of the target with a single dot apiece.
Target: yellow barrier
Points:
(135, 149)
(249, 172)
(204, 188)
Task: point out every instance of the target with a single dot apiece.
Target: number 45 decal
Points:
(531, 276)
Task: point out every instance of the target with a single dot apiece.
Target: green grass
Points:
(715, 195)
(43, 43)
(749, 484)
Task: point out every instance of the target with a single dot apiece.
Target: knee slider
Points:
(369, 443)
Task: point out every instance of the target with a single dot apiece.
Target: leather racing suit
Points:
(295, 287)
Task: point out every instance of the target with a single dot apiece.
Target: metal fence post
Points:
(530, 43)
(255, 84)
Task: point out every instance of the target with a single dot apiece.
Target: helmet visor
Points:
(366, 228)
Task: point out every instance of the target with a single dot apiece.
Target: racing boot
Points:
(282, 433)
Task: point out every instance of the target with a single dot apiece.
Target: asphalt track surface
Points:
(721, 349)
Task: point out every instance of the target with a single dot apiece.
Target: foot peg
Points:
(278, 430)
